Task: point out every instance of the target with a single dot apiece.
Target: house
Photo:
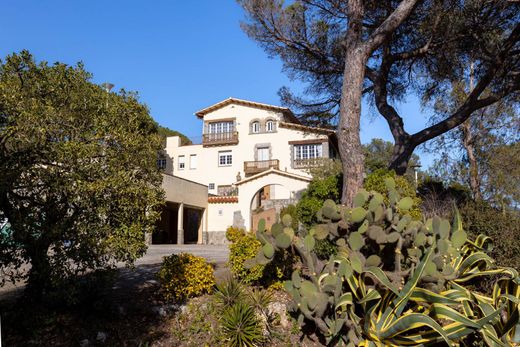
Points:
(253, 158)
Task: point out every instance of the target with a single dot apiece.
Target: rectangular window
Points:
(181, 162)
(211, 186)
(309, 151)
(161, 163)
(193, 161)
(221, 127)
(225, 158)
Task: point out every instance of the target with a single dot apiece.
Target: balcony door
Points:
(262, 154)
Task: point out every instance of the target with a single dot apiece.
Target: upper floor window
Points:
(182, 162)
(193, 161)
(269, 126)
(255, 127)
(221, 127)
(225, 158)
(161, 163)
(308, 151)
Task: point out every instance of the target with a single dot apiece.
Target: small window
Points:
(255, 127)
(269, 126)
(211, 186)
(161, 163)
(193, 161)
(225, 158)
(181, 162)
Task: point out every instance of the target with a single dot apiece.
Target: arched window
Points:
(269, 126)
(255, 127)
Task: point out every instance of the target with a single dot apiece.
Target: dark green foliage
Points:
(79, 184)
(325, 248)
(502, 226)
(165, 132)
(378, 155)
(319, 190)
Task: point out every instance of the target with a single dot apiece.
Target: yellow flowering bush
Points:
(184, 276)
(243, 247)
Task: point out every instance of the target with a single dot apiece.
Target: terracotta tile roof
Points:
(222, 199)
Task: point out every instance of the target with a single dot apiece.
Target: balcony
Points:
(254, 167)
(220, 139)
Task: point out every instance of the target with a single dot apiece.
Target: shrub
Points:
(184, 276)
(244, 246)
(395, 281)
(234, 233)
(376, 182)
(318, 190)
(502, 226)
(243, 249)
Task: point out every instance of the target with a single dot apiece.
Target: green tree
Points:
(386, 51)
(79, 183)
(378, 155)
(165, 132)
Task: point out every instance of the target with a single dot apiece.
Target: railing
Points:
(306, 163)
(254, 167)
(227, 191)
(215, 139)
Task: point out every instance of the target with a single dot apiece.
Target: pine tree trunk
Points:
(349, 142)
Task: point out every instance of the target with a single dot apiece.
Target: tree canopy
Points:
(387, 51)
(79, 183)
(165, 132)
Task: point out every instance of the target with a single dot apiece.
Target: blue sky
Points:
(180, 56)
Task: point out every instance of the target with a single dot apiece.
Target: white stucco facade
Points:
(247, 146)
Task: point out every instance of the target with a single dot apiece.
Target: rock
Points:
(159, 310)
(84, 343)
(101, 337)
(280, 309)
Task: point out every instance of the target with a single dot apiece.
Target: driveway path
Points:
(143, 274)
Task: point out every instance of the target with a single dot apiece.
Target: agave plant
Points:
(395, 281)
(241, 326)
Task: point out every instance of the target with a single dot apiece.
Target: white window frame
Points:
(193, 163)
(225, 158)
(308, 151)
(181, 162)
(269, 126)
(221, 127)
(255, 127)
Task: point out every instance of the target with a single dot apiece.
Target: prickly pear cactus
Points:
(387, 261)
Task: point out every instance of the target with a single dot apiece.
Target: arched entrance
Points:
(267, 203)
(281, 186)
